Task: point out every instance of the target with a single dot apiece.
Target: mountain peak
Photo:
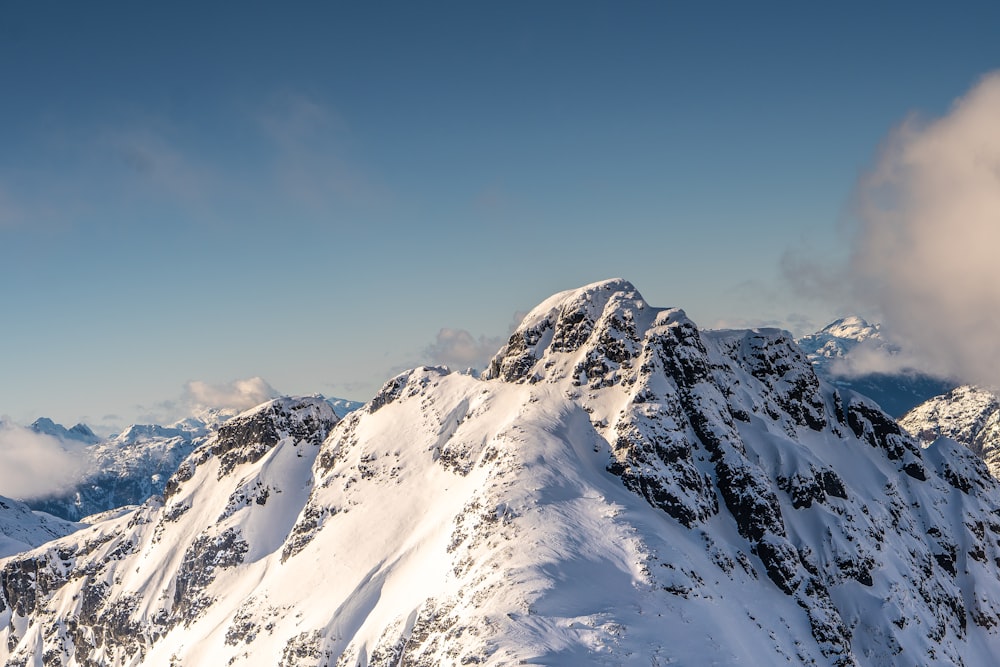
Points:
(852, 353)
(852, 327)
(593, 296)
(598, 325)
(80, 432)
(251, 434)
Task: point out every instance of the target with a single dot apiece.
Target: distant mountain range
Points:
(843, 351)
(130, 467)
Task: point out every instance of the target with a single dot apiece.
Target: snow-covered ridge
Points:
(22, 529)
(967, 414)
(133, 465)
(620, 489)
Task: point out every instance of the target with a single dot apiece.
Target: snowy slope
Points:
(128, 467)
(22, 529)
(846, 351)
(618, 489)
(135, 464)
(966, 414)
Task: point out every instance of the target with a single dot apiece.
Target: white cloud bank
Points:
(927, 250)
(34, 465)
(869, 358)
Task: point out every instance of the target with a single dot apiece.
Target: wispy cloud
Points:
(311, 164)
(34, 465)
(459, 349)
(157, 161)
(122, 168)
(235, 395)
(929, 230)
(198, 396)
(869, 357)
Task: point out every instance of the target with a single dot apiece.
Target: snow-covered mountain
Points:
(22, 529)
(135, 464)
(125, 469)
(343, 406)
(839, 337)
(619, 488)
(79, 433)
(846, 353)
(966, 414)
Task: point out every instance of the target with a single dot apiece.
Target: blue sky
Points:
(311, 192)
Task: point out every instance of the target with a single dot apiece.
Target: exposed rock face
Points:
(694, 416)
(710, 389)
(619, 489)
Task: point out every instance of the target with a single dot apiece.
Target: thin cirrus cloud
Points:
(301, 160)
(157, 160)
(311, 163)
(299, 154)
(925, 252)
